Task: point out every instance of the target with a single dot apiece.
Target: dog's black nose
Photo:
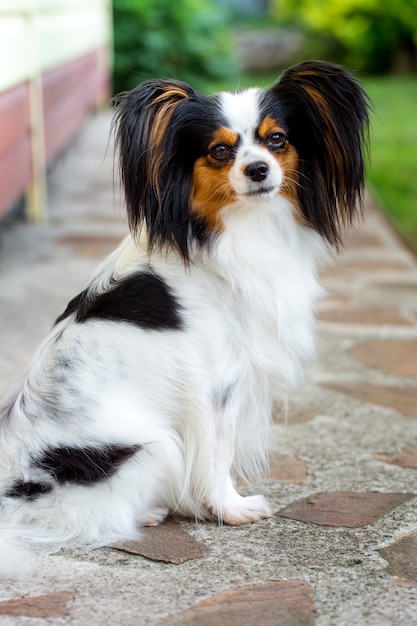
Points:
(257, 171)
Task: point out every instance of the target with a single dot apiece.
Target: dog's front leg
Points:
(227, 505)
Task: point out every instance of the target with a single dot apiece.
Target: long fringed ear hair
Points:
(157, 190)
(326, 111)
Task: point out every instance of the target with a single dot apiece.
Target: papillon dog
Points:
(155, 387)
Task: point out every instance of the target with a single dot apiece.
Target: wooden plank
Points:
(69, 93)
(14, 117)
(15, 166)
(66, 80)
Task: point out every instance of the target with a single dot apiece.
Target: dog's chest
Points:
(267, 309)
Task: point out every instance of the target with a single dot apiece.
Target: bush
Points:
(370, 35)
(183, 39)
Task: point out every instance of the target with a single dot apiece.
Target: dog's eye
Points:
(276, 140)
(221, 152)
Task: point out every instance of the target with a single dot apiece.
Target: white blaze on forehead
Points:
(241, 110)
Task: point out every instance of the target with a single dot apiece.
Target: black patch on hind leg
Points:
(142, 299)
(30, 490)
(85, 466)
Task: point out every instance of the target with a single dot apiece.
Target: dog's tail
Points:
(25, 537)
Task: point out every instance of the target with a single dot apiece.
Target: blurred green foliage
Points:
(184, 39)
(392, 169)
(370, 35)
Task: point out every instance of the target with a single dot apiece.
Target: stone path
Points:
(341, 548)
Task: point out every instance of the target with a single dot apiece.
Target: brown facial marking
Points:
(288, 160)
(267, 127)
(226, 136)
(212, 189)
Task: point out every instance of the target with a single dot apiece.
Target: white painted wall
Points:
(37, 35)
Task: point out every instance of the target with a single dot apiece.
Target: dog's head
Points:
(186, 157)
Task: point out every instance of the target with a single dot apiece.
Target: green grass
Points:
(392, 169)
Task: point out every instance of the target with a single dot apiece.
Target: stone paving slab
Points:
(348, 445)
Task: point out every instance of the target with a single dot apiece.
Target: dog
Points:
(155, 387)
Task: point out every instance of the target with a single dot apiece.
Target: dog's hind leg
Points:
(155, 516)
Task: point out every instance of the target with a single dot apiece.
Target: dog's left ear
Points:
(326, 111)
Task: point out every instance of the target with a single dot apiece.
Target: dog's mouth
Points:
(259, 192)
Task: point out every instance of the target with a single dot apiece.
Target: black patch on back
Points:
(29, 490)
(142, 299)
(73, 306)
(85, 466)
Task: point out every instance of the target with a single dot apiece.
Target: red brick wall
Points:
(15, 157)
(70, 91)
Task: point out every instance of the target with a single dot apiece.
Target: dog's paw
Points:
(244, 510)
(155, 516)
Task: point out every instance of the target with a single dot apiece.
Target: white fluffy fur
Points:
(248, 310)
(247, 305)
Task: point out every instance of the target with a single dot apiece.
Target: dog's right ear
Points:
(141, 126)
